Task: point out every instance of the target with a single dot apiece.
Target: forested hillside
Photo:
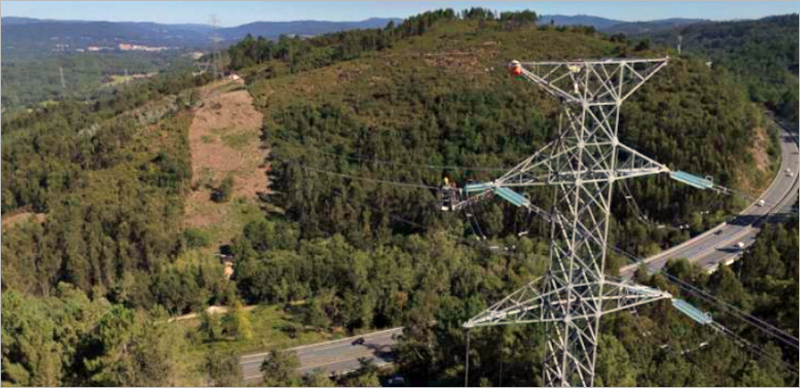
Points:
(363, 127)
(34, 50)
(761, 54)
(32, 82)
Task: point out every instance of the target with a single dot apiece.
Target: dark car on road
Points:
(359, 341)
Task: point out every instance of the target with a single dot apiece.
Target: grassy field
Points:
(231, 218)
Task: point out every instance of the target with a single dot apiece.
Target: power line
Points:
(751, 346)
(763, 326)
(346, 176)
(493, 249)
(388, 162)
(636, 209)
(461, 239)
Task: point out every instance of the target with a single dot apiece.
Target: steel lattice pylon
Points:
(582, 164)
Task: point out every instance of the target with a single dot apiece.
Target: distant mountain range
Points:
(300, 27)
(35, 37)
(584, 20)
(612, 26)
(639, 28)
(38, 36)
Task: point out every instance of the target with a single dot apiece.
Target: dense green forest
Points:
(347, 117)
(761, 54)
(28, 81)
(48, 151)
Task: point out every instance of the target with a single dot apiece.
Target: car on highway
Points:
(739, 245)
(761, 203)
(396, 381)
(359, 341)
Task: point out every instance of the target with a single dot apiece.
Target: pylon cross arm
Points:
(596, 82)
(538, 170)
(528, 305)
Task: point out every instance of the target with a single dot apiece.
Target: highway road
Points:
(709, 249)
(339, 356)
(718, 244)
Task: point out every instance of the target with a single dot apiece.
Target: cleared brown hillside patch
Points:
(225, 140)
(756, 176)
(759, 149)
(12, 219)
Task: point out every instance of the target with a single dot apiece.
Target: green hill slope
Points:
(444, 99)
(761, 54)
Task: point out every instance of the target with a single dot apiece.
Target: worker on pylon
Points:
(446, 196)
(515, 68)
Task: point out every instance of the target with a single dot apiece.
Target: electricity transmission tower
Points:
(582, 164)
(216, 65)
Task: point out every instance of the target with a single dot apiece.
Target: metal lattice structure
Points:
(582, 164)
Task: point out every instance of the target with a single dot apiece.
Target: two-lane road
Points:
(337, 357)
(718, 244)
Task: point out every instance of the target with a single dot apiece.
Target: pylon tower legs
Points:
(577, 252)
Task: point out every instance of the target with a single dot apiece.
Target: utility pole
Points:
(582, 164)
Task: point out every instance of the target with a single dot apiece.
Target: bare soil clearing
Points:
(225, 140)
(211, 310)
(9, 220)
(759, 149)
(760, 172)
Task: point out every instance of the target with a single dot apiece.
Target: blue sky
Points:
(232, 13)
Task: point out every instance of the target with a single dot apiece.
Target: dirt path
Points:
(211, 310)
(11, 219)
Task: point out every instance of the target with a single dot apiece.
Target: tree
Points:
(130, 349)
(644, 44)
(279, 369)
(224, 191)
(154, 355)
(365, 376)
(613, 365)
(196, 238)
(315, 314)
(210, 325)
(318, 378)
(31, 357)
(726, 286)
(223, 368)
(236, 323)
